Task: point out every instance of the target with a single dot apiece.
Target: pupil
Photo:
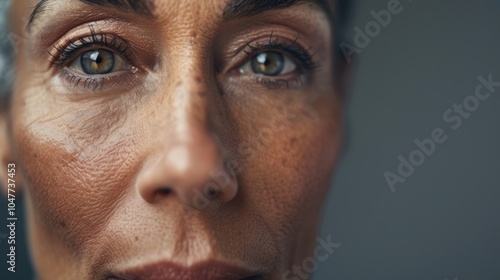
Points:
(98, 60)
(262, 58)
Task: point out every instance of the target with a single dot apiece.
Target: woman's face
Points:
(194, 139)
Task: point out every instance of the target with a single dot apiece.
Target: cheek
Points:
(288, 161)
(74, 164)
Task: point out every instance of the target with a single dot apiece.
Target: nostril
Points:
(212, 192)
(164, 191)
(160, 193)
(255, 277)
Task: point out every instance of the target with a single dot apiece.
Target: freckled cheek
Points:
(291, 174)
(73, 183)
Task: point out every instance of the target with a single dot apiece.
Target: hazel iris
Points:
(268, 63)
(97, 62)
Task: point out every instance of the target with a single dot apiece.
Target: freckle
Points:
(293, 141)
(194, 34)
(197, 79)
(284, 161)
(136, 238)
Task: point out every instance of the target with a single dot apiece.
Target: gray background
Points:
(443, 222)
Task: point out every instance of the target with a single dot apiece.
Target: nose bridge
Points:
(190, 108)
(190, 143)
(186, 65)
(186, 136)
(182, 107)
(187, 152)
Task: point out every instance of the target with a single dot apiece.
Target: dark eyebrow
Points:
(246, 8)
(234, 9)
(140, 7)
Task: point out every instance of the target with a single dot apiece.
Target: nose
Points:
(188, 161)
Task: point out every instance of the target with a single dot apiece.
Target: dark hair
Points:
(343, 15)
(343, 7)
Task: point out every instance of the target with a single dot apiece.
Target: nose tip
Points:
(192, 171)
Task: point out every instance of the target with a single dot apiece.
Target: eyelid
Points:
(67, 48)
(304, 57)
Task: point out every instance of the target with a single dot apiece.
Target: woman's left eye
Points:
(269, 63)
(98, 62)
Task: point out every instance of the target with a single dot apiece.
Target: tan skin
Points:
(183, 152)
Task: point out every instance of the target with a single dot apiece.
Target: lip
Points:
(166, 270)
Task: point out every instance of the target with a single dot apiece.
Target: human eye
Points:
(269, 63)
(98, 62)
(94, 61)
(277, 62)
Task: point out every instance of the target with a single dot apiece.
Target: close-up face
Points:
(173, 139)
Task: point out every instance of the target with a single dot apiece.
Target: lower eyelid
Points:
(81, 82)
(86, 83)
(277, 84)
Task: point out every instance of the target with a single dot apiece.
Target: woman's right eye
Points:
(99, 62)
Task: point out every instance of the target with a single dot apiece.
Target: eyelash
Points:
(70, 48)
(304, 57)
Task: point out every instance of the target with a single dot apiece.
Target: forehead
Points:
(39, 17)
(167, 8)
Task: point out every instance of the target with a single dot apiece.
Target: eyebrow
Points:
(234, 8)
(140, 7)
(247, 8)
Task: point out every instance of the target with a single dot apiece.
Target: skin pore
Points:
(182, 131)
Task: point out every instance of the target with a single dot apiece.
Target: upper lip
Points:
(209, 270)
